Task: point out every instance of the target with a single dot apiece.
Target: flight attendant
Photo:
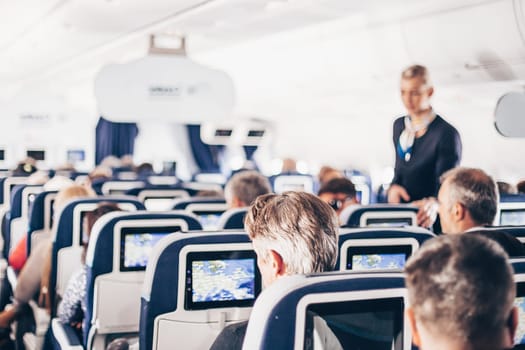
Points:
(426, 145)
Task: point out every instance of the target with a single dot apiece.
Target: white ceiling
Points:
(39, 38)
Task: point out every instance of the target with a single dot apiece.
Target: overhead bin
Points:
(163, 88)
(470, 43)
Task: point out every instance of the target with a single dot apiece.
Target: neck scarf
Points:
(408, 135)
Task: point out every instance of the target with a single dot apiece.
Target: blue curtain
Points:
(249, 151)
(116, 139)
(206, 156)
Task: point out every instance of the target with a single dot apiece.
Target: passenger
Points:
(327, 173)
(468, 200)
(506, 188)
(35, 273)
(426, 145)
(289, 166)
(461, 293)
(25, 167)
(244, 187)
(73, 308)
(521, 186)
(292, 233)
(339, 194)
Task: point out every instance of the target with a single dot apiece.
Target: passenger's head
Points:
(338, 193)
(510, 244)
(506, 188)
(467, 198)
(243, 187)
(327, 173)
(416, 89)
(91, 217)
(461, 292)
(521, 186)
(289, 165)
(292, 233)
(69, 193)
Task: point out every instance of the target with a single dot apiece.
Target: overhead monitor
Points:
(136, 244)
(356, 324)
(76, 155)
(519, 302)
(2, 154)
(169, 167)
(220, 279)
(36, 154)
(513, 217)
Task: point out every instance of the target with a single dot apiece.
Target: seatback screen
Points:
(519, 302)
(209, 218)
(377, 257)
(388, 222)
(221, 279)
(136, 244)
(512, 217)
(354, 325)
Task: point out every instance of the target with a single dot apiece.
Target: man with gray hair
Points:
(461, 292)
(468, 199)
(243, 187)
(292, 233)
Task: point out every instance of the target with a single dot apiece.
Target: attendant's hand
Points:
(396, 194)
(427, 213)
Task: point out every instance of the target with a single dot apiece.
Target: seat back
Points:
(207, 209)
(40, 218)
(283, 183)
(232, 219)
(67, 238)
(384, 215)
(379, 248)
(160, 198)
(519, 277)
(511, 210)
(356, 310)
(191, 306)
(119, 187)
(119, 249)
(21, 198)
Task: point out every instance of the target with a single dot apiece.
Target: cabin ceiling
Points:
(39, 38)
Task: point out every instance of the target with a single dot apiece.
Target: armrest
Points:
(65, 336)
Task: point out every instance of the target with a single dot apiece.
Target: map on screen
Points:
(519, 337)
(378, 261)
(138, 246)
(225, 279)
(512, 217)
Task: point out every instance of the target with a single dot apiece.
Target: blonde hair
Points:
(72, 192)
(417, 71)
(299, 226)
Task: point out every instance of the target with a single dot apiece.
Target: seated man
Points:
(461, 292)
(243, 187)
(292, 233)
(338, 193)
(468, 199)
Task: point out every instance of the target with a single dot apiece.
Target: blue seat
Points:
(67, 242)
(232, 219)
(390, 244)
(341, 305)
(207, 209)
(21, 199)
(40, 218)
(165, 317)
(385, 215)
(113, 286)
